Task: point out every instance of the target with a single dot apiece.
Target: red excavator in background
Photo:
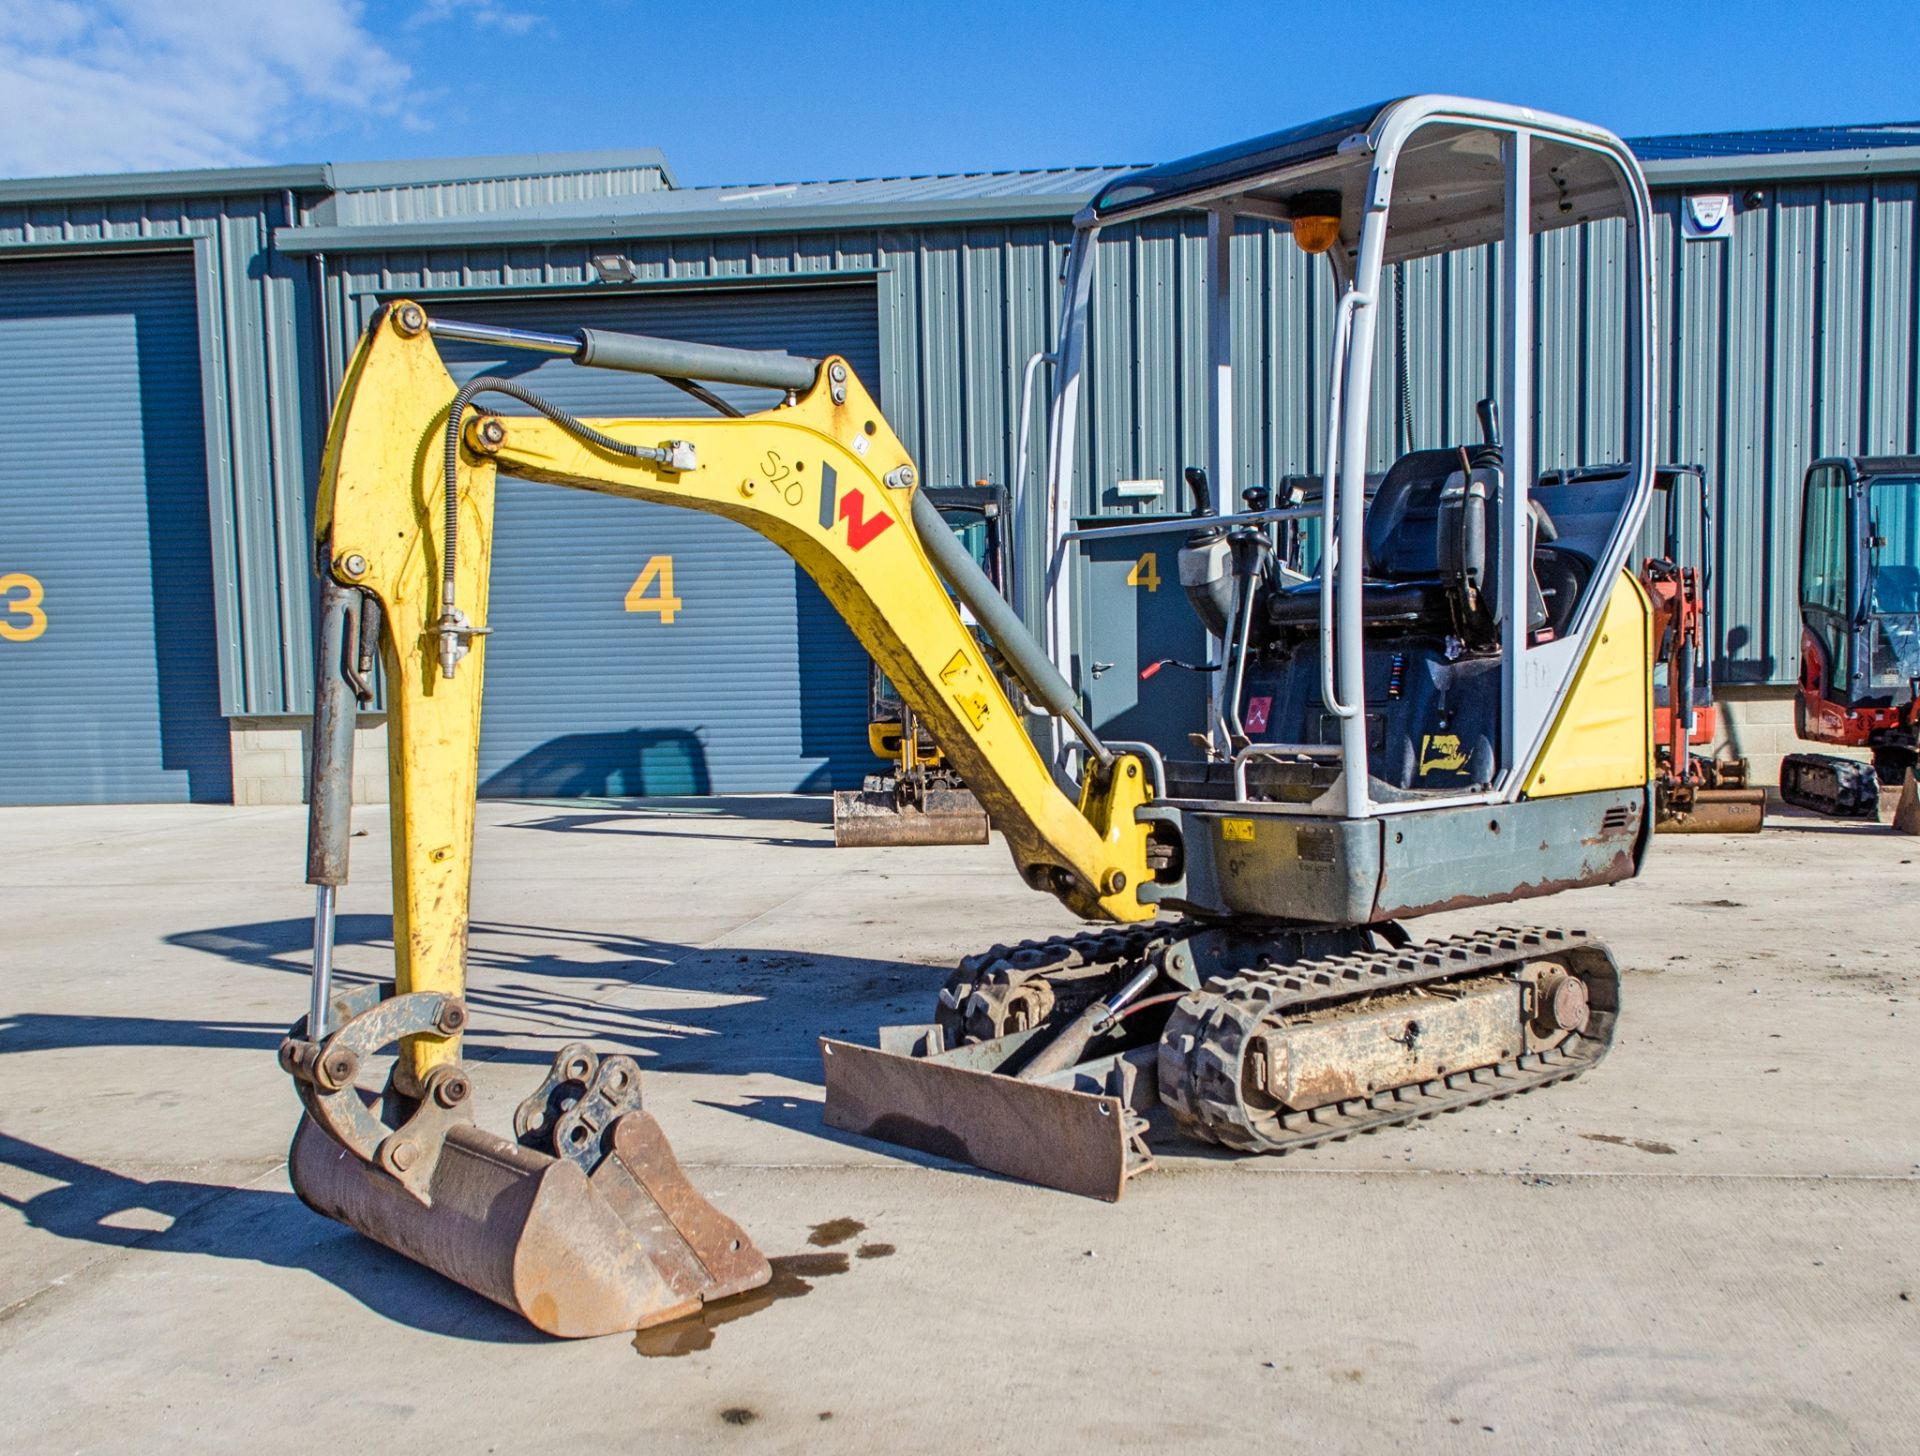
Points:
(1859, 631)
(1694, 793)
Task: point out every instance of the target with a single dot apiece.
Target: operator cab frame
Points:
(1458, 561)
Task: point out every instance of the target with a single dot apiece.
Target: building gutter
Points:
(1783, 167)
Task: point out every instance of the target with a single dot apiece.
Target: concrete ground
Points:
(1707, 1244)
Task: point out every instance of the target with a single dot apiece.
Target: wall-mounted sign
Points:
(1706, 215)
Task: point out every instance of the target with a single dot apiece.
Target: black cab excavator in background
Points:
(1859, 632)
(1448, 707)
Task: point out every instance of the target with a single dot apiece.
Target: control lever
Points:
(1196, 479)
(1486, 455)
(1152, 669)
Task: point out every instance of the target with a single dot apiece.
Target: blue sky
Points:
(756, 91)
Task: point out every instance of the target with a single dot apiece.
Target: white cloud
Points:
(482, 14)
(111, 85)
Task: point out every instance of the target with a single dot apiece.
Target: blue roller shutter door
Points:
(109, 689)
(751, 683)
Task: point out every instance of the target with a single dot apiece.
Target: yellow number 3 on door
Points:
(22, 617)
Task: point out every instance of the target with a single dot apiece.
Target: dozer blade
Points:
(1079, 1130)
(1716, 811)
(947, 816)
(632, 1246)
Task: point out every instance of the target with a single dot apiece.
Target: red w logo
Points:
(861, 527)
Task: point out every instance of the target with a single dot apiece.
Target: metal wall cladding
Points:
(265, 382)
(424, 200)
(1794, 337)
(1798, 336)
(109, 686)
(260, 405)
(651, 650)
(959, 312)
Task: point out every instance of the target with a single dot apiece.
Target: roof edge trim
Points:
(198, 182)
(639, 226)
(426, 171)
(1782, 166)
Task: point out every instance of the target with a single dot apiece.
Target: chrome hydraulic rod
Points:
(469, 333)
(644, 354)
(1066, 1048)
(322, 990)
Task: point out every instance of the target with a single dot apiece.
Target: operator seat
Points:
(1403, 584)
(1432, 557)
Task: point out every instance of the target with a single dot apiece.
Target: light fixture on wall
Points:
(613, 267)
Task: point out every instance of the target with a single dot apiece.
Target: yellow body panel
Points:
(1603, 738)
(381, 501)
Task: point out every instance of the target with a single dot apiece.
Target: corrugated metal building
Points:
(168, 343)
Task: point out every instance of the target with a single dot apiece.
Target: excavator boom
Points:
(584, 1223)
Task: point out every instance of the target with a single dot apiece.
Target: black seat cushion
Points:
(1407, 602)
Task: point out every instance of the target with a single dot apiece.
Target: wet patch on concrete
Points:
(793, 1276)
(1645, 1145)
(835, 1231)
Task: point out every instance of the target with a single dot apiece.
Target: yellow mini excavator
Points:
(1441, 702)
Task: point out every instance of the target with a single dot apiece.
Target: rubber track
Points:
(1202, 1048)
(1107, 944)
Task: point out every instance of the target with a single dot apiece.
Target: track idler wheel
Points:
(585, 1226)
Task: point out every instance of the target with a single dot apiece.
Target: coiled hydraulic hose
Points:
(493, 384)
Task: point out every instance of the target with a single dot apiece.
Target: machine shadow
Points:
(94, 1205)
(662, 817)
(534, 988)
(632, 763)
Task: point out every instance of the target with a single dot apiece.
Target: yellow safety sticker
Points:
(1441, 753)
(1240, 829)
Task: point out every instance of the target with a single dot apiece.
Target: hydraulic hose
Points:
(493, 384)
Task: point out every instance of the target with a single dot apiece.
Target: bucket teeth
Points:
(632, 1245)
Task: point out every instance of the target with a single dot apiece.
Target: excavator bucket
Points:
(863, 818)
(627, 1245)
(1715, 811)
